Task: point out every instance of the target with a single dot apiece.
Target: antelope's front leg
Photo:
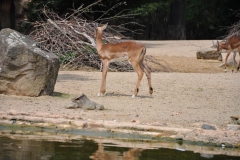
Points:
(226, 60)
(104, 76)
(234, 59)
(238, 67)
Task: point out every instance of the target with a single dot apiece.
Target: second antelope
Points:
(132, 51)
(232, 45)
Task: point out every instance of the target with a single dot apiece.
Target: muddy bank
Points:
(195, 134)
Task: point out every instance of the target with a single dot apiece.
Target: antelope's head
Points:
(102, 27)
(99, 31)
(219, 45)
(215, 45)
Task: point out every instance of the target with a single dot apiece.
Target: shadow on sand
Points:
(113, 94)
(65, 77)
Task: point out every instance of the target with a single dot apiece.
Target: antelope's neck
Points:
(99, 42)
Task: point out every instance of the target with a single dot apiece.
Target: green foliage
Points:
(150, 8)
(89, 49)
(209, 19)
(68, 56)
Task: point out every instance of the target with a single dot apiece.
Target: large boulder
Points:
(25, 69)
(206, 54)
(229, 63)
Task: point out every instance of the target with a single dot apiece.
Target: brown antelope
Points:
(232, 45)
(223, 45)
(132, 51)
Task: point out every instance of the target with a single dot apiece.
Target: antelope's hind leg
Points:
(148, 74)
(238, 67)
(147, 71)
(139, 71)
(234, 59)
(226, 61)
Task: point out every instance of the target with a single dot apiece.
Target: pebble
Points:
(208, 127)
(233, 127)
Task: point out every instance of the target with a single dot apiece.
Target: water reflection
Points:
(120, 153)
(21, 148)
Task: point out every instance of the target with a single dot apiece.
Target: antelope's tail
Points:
(144, 68)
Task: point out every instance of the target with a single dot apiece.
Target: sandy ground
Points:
(197, 92)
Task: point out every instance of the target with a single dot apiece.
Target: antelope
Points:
(232, 45)
(132, 51)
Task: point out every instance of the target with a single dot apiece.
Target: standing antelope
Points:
(232, 45)
(132, 51)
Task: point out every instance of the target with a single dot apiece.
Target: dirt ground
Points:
(197, 92)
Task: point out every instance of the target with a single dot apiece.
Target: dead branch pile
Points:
(233, 30)
(157, 65)
(72, 39)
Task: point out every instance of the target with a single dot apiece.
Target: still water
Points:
(28, 145)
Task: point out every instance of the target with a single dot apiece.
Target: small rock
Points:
(238, 122)
(85, 103)
(208, 156)
(233, 127)
(234, 118)
(72, 105)
(12, 112)
(223, 145)
(180, 149)
(229, 63)
(99, 107)
(179, 138)
(208, 127)
(175, 113)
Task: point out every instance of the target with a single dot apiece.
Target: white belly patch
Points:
(120, 59)
(235, 50)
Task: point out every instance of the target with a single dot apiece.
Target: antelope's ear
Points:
(95, 34)
(104, 26)
(214, 45)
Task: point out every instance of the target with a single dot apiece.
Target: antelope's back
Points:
(126, 46)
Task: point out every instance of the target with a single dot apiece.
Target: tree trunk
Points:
(156, 28)
(176, 22)
(7, 14)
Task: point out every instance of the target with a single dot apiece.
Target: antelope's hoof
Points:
(133, 96)
(225, 70)
(100, 94)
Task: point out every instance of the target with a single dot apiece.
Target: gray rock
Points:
(238, 121)
(208, 156)
(209, 55)
(84, 102)
(208, 127)
(72, 105)
(99, 107)
(229, 63)
(24, 68)
(233, 127)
